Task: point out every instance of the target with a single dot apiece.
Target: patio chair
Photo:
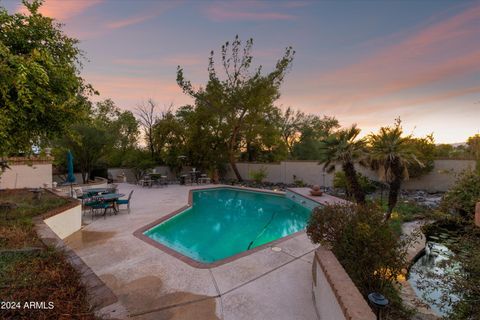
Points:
(164, 180)
(82, 195)
(204, 179)
(100, 205)
(146, 181)
(90, 204)
(126, 201)
(112, 188)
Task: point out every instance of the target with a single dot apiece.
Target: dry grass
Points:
(36, 276)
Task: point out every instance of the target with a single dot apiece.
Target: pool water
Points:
(225, 222)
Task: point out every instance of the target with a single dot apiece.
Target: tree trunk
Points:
(233, 164)
(84, 176)
(395, 186)
(351, 175)
(231, 152)
(150, 144)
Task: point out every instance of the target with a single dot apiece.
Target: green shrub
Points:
(407, 210)
(463, 196)
(298, 182)
(366, 246)
(467, 283)
(340, 182)
(259, 175)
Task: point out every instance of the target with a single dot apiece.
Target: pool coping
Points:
(201, 265)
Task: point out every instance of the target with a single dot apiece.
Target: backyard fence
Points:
(441, 178)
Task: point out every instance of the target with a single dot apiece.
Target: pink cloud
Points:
(438, 53)
(129, 91)
(244, 11)
(400, 103)
(296, 4)
(130, 21)
(61, 9)
(182, 60)
(139, 18)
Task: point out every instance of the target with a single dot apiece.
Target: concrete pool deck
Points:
(152, 284)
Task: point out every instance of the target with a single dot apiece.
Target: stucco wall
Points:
(27, 176)
(334, 294)
(325, 301)
(67, 222)
(164, 170)
(441, 178)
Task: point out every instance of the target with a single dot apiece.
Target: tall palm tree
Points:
(342, 147)
(390, 154)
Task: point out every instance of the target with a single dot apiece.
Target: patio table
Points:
(111, 197)
(96, 190)
(158, 179)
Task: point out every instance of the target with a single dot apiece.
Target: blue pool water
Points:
(223, 222)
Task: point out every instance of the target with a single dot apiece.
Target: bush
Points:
(366, 246)
(340, 182)
(463, 196)
(259, 175)
(140, 162)
(299, 183)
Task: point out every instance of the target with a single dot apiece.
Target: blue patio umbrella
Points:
(70, 175)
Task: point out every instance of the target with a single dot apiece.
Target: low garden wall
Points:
(441, 178)
(335, 295)
(27, 173)
(67, 222)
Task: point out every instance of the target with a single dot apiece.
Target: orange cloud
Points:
(61, 9)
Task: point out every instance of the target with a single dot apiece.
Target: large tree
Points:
(312, 131)
(107, 137)
(146, 112)
(122, 128)
(391, 153)
(342, 147)
(243, 93)
(302, 133)
(39, 79)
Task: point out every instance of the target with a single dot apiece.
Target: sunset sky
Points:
(364, 62)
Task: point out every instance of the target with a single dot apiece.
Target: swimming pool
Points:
(224, 222)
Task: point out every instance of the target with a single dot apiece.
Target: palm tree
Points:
(390, 154)
(344, 148)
